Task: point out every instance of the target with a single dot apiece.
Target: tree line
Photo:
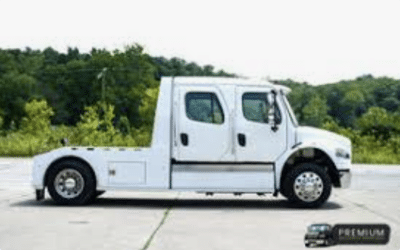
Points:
(108, 98)
(70, 81)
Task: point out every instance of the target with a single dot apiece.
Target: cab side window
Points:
(204, 107)
(256, 107)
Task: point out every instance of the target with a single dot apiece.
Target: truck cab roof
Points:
(182, 80)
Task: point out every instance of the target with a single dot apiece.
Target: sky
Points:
(307, 41)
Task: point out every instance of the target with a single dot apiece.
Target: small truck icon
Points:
(319, 235)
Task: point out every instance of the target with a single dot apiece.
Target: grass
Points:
(19, 144)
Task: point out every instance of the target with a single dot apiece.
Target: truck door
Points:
(203, 132)
(256, 141)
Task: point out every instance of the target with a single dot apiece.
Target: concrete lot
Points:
(170, 220)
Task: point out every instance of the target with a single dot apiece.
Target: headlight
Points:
(342, 153)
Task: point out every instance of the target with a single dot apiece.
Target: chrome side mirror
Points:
(272, 110)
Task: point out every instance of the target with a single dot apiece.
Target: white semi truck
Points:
(211, 135)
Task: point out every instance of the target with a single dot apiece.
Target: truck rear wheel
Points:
(307, 185)
(71, 183)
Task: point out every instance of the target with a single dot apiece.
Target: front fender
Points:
(320, 145)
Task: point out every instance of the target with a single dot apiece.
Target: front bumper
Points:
(345, 178)
(314, 241)
(37, 173)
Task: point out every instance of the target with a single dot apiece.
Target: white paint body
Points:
(213, 160)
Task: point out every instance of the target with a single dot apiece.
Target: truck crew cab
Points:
(211, 135)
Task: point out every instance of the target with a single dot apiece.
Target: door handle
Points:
(184, 139)
(242, 140)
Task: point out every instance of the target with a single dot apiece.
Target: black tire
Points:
(303, 169)
(88, 187)
(283, 192)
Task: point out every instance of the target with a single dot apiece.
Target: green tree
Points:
(148, 106)
(124, 126)
(351, 102)
(15, 91)
(96, 126)
(299, 97)
(315, 112)
(390, 103)
(37, 120)
(377, 122)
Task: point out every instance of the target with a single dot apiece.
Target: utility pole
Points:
(102, 75)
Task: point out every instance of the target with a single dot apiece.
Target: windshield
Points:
(291, 113)
(318, 228)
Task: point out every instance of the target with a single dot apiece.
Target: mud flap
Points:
(39, 194)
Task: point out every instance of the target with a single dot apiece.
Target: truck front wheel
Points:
(307, 185)
(71, 183)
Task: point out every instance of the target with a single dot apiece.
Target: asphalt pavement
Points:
(174, 221)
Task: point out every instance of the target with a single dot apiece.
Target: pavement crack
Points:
(366, 208)
(164, 218)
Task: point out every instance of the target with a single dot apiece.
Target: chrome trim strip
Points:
(222, 168)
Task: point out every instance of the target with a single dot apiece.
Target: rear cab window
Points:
(204, 107)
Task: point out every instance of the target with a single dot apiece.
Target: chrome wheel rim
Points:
(69, 183)
(308, 186)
